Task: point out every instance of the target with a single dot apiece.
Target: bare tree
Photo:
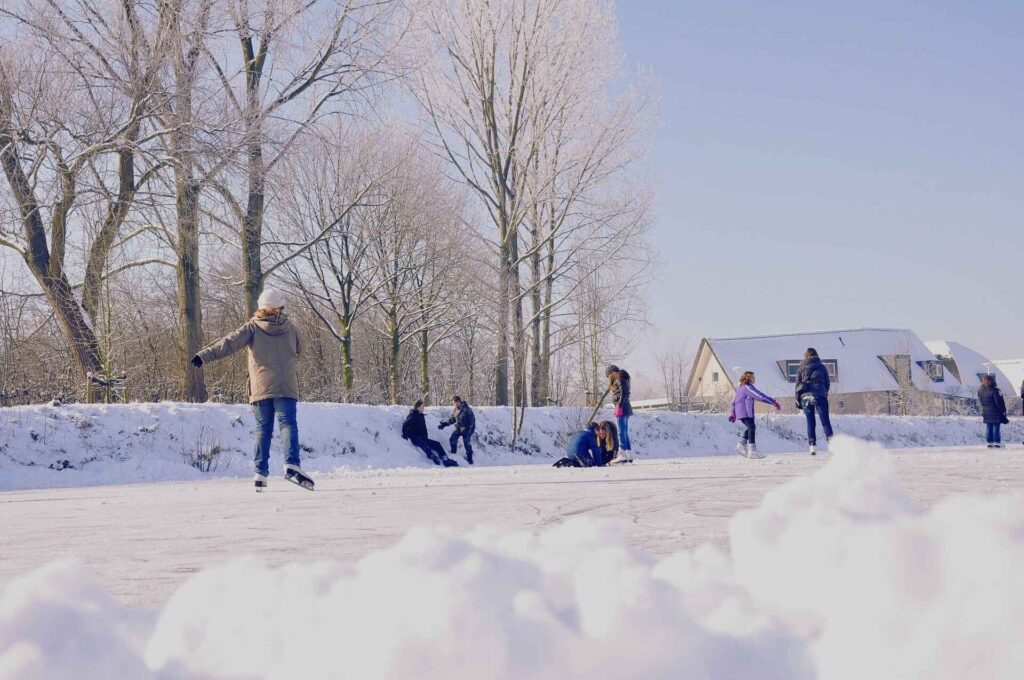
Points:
(296, 60)
(674, 361)
(335, 183)
(74, 97)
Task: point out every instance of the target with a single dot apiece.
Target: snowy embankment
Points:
(836, 575)
(77, 445)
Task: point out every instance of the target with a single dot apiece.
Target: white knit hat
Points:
(271, 298)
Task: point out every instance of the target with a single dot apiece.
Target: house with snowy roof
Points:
(969, 366)
(873, 370)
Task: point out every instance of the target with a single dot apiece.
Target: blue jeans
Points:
(749, 434)
(992, 435)
(821, 405)
(264, 410)
(624, 443)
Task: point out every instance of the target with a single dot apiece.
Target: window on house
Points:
(832, 365)
(714, 376)
(899, 367)
(790, 367)
(934, 369)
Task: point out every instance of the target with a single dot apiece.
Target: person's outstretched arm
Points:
(227, 345)
(761, 396)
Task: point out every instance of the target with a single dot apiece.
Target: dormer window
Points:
(899, 367)
(790, 368)
(934, 370)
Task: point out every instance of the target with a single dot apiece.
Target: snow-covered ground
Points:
(77, 445)
(865, 563)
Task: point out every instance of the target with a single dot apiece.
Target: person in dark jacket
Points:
(618, 385)
(415, 430)
(584, 450)
(993, 411)
(1022, 398)
(812, 387)
(465, 425)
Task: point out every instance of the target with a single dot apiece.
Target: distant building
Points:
(969, 366)
(658, 404)
(1013, 369)
(872, 370)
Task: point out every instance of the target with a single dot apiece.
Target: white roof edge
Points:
(795, 335)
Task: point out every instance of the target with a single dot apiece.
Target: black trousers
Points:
(750, 434)
(432, 448)
(465, 436)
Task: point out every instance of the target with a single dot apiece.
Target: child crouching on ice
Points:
(743, 411)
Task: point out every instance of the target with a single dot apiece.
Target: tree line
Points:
(452, 193)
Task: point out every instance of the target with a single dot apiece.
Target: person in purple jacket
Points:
(743, 411)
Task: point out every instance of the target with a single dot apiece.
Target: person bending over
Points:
(583, 450)
(608, 438)
(465, 425)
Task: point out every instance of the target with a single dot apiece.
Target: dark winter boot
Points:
(469, 457)
(448, 462)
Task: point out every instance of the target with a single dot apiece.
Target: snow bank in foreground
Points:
(75, 445)
(837, 575)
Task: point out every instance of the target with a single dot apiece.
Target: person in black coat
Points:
(465, 425)
(812, 388)
(993, 411)
(415, 430)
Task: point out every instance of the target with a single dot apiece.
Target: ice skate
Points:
(260, 481)
(752, 452)
(622, 457)
(295, 475)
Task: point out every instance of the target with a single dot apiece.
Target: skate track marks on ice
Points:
(143, 540)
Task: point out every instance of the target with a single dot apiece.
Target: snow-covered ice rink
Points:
(143, 540)
(866, 563)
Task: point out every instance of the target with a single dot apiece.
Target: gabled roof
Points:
(857, 352)
(970, 363)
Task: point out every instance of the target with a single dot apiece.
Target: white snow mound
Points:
(836, 575)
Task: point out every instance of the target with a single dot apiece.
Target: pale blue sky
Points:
(837, 164)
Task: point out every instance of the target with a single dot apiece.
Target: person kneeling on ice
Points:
(415, 430)
(274, 348)
(743, 411)
(584, 450)
(608, 439)
(465, 425)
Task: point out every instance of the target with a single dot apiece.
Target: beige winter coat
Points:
(274, 348)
